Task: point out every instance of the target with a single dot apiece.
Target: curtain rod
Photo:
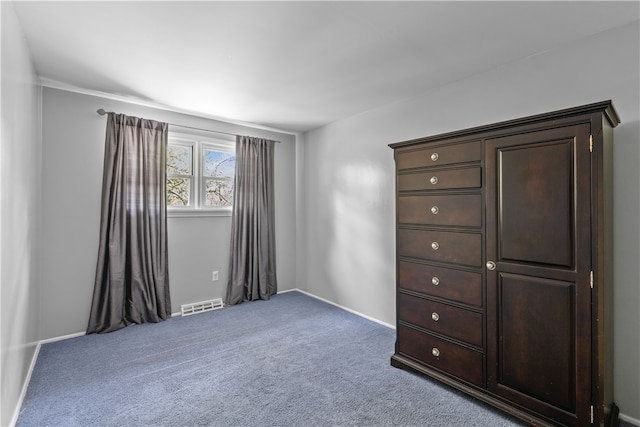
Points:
(102, 113)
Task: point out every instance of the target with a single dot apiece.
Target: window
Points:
(200, 174)
(179, 175)
(218, 169)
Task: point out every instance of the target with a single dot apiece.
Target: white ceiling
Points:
(293, 65)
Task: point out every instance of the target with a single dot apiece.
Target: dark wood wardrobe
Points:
(503, 256)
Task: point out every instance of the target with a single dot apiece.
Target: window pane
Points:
(179, 160)
(178, 191)
(218, 193)
(219, 164)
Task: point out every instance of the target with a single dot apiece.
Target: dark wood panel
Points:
(536, 320)
(457, 210)
(456, 285)
(459, 248)
(453, 322)
(536, 202)
(440, 179)
(541, 246)
(443, 155)
(456, 360)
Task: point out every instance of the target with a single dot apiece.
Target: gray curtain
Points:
(132, 278)
(252, 265)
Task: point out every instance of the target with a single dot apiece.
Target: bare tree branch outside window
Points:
(219, 168)
(179, 174)
(215, 181)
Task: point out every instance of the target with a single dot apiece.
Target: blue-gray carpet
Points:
(290, 361)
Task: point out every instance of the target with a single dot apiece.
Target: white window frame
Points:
(198, 144)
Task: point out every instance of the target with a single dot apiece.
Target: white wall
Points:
(20, 220)
(73, 152)
(349, 184)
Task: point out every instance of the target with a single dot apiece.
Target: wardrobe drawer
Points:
(443, 155)
(440, 179)
(462, 210)
(463, 325)
(459, 248)
(461, 362)
(455, 285)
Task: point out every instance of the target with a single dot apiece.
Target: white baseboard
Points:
(628, 419)
(62, 338)
(342, 307)
(25, 385)
(32, 365)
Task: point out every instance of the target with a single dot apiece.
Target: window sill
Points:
(198, 213)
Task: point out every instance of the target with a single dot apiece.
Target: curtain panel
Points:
(252, 265)
(132, 278)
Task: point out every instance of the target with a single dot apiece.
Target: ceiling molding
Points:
(55, 84)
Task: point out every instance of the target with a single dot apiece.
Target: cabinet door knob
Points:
(435, 316)
(435, 246)
(435, 351)
(435, 210)
(435, 281)
(434, 157)
(433, 180)
(491, 265)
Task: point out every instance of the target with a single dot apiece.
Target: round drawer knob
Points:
(434, 157)
(434, 180)
(491, 265)
(435, 281)
(435, 210)
(435, 351)
(435, 246)
(435, 316)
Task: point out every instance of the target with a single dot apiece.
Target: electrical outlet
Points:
(214, 276)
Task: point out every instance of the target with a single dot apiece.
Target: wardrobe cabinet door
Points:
(538, 268)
